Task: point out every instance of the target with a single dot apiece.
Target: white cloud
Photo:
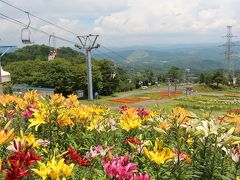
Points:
(128, 22)
(154, 16)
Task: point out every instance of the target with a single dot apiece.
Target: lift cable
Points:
(44, 20)
(60, 27)
(116, 54)
(102, 54)
(33, 28)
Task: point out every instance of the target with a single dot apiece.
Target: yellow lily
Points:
(36, 121)
(31, 97)
(57, 100)
(63, 118)
(159, 155)
(43, 170)
(55, 169)
(233, 118)
(40, 116)
(72, 100)
(6, 136)
(181, 114)
(67, 170)
(8, 99)
(130, 120)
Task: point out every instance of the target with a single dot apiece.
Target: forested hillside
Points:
(197, 57)
(66, 73)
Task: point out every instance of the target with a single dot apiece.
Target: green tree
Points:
(175, 73)
(60, 74)
(66, 73)
(110, 77)
(202, 78)
(209, 78)
(34, 52)
(218, 77)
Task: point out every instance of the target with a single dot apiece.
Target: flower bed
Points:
(232, 95)
(235, 111)
(58, 138)
(164, 95)
(130, 100)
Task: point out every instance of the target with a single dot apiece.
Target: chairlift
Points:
(113, 75)
(53, 53)
(26, 33)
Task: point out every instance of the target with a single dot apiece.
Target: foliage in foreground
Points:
(58, 138)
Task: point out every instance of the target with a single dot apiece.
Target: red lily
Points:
(76, 157)
(19, 163)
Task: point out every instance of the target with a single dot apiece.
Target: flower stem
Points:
(236, 170)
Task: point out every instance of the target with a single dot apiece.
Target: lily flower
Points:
(29, 111)
(140, 176)
(182, 157)
(75, 157)
(208, 127)
(5, 135)
(130, 120)
(119, 167)
(142, 112)
(55, 169)
(181, 115)
(159, 154)
(98, 151)
(19, 163)
(134, 140)
(63, 118)
(37, 120)
(43, 170)
(235, 153)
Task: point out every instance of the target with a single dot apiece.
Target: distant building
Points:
(45, 91)
(21, 89)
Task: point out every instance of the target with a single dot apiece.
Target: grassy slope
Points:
(205, 100)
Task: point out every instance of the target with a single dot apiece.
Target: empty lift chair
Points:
(26, 33)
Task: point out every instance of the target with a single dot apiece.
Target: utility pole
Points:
(88, 43)
(169, 82)
(175, 84)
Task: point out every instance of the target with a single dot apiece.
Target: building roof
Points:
(27, 87)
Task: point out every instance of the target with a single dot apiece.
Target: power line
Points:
(116, 54)
(100, 53)
(60, 27)
(44, 20)
(111, 57)
(33, 28)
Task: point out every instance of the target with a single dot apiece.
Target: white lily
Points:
(208, 127)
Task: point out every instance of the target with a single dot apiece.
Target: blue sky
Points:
(126, 22)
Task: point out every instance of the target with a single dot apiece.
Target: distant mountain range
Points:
(197, 57)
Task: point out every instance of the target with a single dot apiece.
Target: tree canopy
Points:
(66, 73)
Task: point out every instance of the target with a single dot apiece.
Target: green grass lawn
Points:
(213, 101)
